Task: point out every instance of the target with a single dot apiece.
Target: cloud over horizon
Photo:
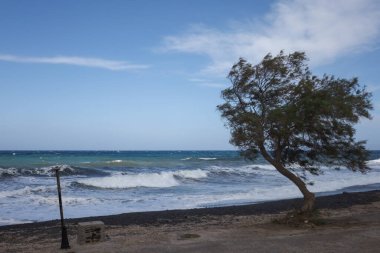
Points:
(324, 29)
(75, 60)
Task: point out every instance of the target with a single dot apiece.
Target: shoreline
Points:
(336, 201)
(351, 223)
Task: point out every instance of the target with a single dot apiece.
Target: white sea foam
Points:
(324, 183)
(26, 191)
(245, 169)
(67, 200)
(115, 161)
(42, 171)
(48, 170)
(186, 159)
(11, 221)
(225, 169)
(158, 180)
(265, 166)
(9, 172)
(207, 158)
(192, 174)
(374, 163)
(129, 181)
(257, 194)
(332, 181)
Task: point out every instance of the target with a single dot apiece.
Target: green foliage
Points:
(304, 120)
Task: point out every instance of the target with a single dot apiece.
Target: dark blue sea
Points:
(111, 182)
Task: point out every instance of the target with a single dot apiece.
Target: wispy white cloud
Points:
(207, 83)
(75, 60)
(324, 29)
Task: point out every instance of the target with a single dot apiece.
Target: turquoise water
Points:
(111, 182)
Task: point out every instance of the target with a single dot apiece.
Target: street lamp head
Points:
(56, 168)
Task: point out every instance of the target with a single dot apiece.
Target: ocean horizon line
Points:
(118, 150)
(127, 150)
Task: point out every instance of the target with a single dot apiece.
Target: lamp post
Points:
(65, 241)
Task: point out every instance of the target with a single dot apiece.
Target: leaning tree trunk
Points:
(308, 197)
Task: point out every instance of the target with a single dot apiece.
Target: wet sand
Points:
(351, 224)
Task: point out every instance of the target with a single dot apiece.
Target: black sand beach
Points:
(171, 217)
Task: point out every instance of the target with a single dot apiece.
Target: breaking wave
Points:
(374, 163)
(191, 174)
(114, 161)
(207, 158)
(156, 180)
(42, 171)
(243, 170)
(65, 170)
(26, 191)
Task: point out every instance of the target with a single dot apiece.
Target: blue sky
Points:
(132, 75)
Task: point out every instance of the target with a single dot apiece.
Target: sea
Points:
(111, 182)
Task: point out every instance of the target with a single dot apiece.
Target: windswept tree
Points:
(297, 121)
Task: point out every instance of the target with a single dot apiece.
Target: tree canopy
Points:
(295, 119)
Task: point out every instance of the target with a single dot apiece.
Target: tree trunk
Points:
(308, 197)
